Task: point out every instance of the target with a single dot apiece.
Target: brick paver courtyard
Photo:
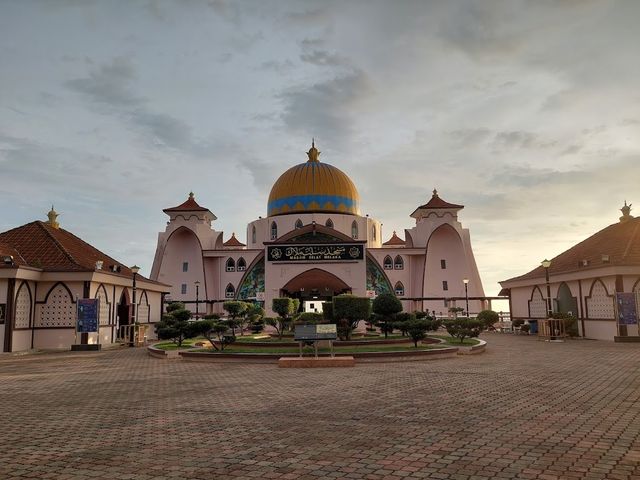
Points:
(524, 409)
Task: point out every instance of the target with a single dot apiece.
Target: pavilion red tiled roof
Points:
(437, 202)
(7, 250)
(620, 243)
(233, 242)
(42, 246)
(394, 240)
(190, 205)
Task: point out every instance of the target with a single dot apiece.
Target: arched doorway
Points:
(314, 287)
(566, 303)
(124, 311)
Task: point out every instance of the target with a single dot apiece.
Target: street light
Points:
(466, 293)
(546, 264)
(197, 284)
(135, 269)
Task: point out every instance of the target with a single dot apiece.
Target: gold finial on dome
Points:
(53, 215)
(435, 192)
(313, 152)
(191, 195)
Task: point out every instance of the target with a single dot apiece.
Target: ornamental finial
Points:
(435, 192)
(53, 215)
(313, 152)
(626, 212)
(191, 195)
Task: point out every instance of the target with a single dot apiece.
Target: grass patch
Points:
(408, 347)
(261, 338)
(468, 342)
(172, 346)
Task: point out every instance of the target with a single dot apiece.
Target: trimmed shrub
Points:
(488, 318)
(348, 310)
(386, 306)
(309, 318)
(463, 327)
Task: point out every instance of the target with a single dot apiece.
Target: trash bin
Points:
(534, 327)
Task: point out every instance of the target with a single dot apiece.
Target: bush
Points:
(488, 318)
(257, 327)
(327, 311)
(525, 328)
(570, 323)
(236, 310)
(175, 325)
(417, 329)
(215, 331)
(309, 318)
(385, 306)
(348, 310)
(518, 322)
(463, 327)
(211, 316)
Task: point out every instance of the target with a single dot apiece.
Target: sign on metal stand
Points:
(314, 333)
(87, 310)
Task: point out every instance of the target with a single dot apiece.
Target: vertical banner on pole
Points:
(627, 308)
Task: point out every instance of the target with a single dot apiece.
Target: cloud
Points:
(166, 130)
(109, 84)
(277, 65)
(320, 57)
(327, 109)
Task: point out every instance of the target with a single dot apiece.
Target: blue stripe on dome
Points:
(307, 200)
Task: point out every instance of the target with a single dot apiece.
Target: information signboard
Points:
(627, 311)
(305, 253)
(312, 333)
(87, 320)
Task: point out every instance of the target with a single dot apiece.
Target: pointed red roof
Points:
(7, 250)
(233, 242)
(616, 245)
(437, 202)
(190, 205)
(394, 240)
(39, 245)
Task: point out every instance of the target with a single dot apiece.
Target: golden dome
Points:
(313, 187)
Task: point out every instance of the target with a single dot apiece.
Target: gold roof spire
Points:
(53, 215)
(313, 152)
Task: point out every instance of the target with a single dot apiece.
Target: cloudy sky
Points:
(526, 112)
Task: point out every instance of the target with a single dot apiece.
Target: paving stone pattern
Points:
(524, 409)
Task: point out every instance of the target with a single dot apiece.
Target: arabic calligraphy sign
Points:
(627, 312)
(305, 253)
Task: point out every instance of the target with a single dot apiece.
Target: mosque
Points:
(314, 244)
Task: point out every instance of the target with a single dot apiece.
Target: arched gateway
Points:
(314, 243)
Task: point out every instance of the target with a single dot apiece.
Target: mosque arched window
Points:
(354, 229)
(230, 291)
(231, 265)
(299, 223)
(399, 289)
(253, 234)
(373, 232)
(329, 223)
(388, 263)
(241, 265)
(274, 230)
(398, 263)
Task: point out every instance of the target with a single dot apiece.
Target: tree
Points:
(214, 331)
(455, 311)
(349, 310)
(234, 309)
(463, 327)
(417, 329)
(175, 324)
(386, 305)
(284, 307)
(488, 318)
(251, 315)
(401, 320)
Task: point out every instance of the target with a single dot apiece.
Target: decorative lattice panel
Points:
(599, 304)
(104, 306)
(23, 307)
(59, 311)
(143, 310)
(537, 305)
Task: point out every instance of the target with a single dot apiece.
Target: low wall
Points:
(156, 352)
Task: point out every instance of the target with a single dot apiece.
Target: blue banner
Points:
(627, 311)
(87, 315)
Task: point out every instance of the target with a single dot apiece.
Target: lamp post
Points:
(197, 284)
(466, 293)
(135, 269)
(546, 264)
